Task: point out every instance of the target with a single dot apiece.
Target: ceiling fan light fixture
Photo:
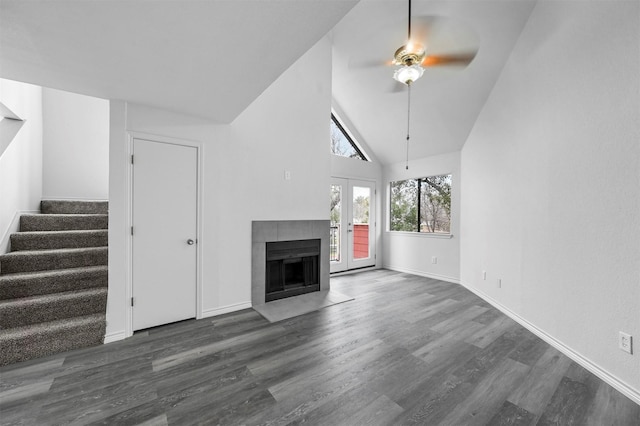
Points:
(407, 74)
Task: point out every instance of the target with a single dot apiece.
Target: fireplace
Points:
(291, 268)
(289, 274)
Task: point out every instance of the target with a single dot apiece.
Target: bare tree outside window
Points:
(421, 205)
(341, 142)
(361, 209)
(404, 206)
(335, 199)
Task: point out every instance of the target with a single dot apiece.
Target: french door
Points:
(352, 240)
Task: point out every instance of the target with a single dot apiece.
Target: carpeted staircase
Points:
(53, 283)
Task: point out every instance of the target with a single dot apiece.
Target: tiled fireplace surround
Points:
(263, 232)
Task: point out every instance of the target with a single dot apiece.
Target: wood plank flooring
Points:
(407, 350)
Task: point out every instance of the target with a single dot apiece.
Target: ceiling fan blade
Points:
(423, 28)
(460, 60)
(397, 87)
(371, 63)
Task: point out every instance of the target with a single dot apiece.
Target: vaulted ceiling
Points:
(214, 58)
(446, 101)
(209, 59)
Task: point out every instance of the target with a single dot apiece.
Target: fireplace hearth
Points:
(291, 268)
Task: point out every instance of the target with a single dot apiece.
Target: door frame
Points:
(199, 146)
(347, 254)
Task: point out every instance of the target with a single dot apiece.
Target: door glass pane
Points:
(336, 220)
(361, 210)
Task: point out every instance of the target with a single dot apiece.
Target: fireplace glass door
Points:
(352, 234)
(292, 268)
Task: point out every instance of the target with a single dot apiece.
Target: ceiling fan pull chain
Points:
(408, 121)
(406, 167)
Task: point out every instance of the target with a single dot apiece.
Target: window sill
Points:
(418, 235)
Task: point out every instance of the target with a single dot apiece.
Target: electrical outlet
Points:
(499, 283)
(434, 260)
(484, 275)
(625, 342)
(287, 175)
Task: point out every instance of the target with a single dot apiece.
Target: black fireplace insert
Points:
(292, 268)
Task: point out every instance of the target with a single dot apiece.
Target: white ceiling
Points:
(446, 101)
(190, 56)
(204, 58)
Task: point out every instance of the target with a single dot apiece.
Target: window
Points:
(342, 143)
(433, 196)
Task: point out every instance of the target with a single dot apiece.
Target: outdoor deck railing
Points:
(334, 243)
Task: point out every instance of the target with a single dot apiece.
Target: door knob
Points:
(190, 242)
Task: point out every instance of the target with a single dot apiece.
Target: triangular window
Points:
(342, 143)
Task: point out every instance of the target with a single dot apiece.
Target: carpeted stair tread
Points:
(63, 222)
(54, 282)
(40, 260)
(38, 340)
(43, 240)
(26, 284)
(51, 307)
(74, 207)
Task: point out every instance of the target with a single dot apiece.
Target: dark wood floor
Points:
(407, 350)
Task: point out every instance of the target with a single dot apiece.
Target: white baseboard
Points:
(121, 335)
(423, 274)
(14, 226)
(353, 271)
(114, 336)
(53, 198)
(615, 382)
(225, 309)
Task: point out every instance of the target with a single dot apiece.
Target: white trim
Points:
(601, 373)
(353, 271)
(200, 233)
(371, 180)
(114, 336)
(199, 146)
(418, 234)
(52, 198)
(225, 309)
(423, 274)
(128, 192)
(14, 226)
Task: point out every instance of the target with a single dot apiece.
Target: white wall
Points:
(551, 183)
(125, 121)
(21, 162)
(75, 146)
(119, 212)
(412, 252)
(286, 128)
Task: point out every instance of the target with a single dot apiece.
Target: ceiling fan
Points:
(412, 58)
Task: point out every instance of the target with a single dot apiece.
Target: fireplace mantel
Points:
(263, 232)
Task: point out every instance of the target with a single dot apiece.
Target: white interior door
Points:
(352, 240)
(164, 233)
